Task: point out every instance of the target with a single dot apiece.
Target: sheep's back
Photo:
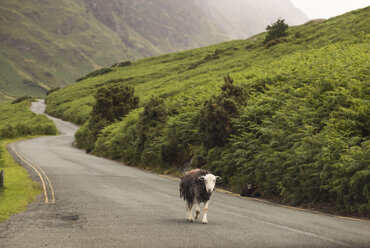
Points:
(191, 186)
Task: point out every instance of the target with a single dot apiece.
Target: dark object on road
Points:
(1, 179)
(251, 190)
(195, 187)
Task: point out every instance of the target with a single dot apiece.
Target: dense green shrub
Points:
(112, 103)
(306, 143)
(215, 119)
(150, 125)
(143, 141)
(21, 99)
(124, 64)
(99, 72)
(276, 30)
(121, 64)
(17, 120)
(179, 141)
(52, 90)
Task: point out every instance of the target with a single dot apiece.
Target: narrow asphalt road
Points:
(102, 203)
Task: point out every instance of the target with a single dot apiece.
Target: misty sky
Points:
(315, 9)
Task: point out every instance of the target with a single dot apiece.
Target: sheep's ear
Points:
(218, 178)
(201, 178)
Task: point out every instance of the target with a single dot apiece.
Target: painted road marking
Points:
(165, 195)
(50, 186)
(37, 170)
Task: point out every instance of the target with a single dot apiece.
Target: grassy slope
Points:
(168, 75)
(48, 51)
(304, 133)
(16, 122)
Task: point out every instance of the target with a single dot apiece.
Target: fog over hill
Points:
(46, 43)
(242, 18)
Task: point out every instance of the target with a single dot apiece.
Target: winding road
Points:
(93, 202)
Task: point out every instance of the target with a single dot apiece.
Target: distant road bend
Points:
(103, 203)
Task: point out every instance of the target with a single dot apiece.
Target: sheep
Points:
(251, 190)
(195, 187)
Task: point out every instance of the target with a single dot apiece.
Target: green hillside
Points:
(303, 134)
(46, 44)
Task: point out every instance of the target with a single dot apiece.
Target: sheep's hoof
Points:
(190, 219)
(204, 222)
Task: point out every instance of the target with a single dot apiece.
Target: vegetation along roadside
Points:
(17, 123)
(295, 113)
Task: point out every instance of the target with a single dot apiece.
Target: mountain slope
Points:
(45, 44)
(303, 135)
(48, 43)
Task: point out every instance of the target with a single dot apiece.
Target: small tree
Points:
(276, 30)
(112, 103)
(153, 117)
(149, 128)
(215, 120)
(21, 99)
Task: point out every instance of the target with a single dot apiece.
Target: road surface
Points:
(94, 202)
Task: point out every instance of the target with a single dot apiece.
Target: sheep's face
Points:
(210, 182)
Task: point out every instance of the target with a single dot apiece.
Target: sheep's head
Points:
(209, 181)
(250, 185)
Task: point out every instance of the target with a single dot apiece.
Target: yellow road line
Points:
(36, 169)
(50, 185)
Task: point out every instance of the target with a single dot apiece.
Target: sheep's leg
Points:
(187, 210)
(189, 214)
(205, 211)
(197, 209)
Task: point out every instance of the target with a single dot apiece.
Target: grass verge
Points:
(19, 189)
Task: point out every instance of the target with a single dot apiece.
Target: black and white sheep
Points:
(251, 190)
(195, 187)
